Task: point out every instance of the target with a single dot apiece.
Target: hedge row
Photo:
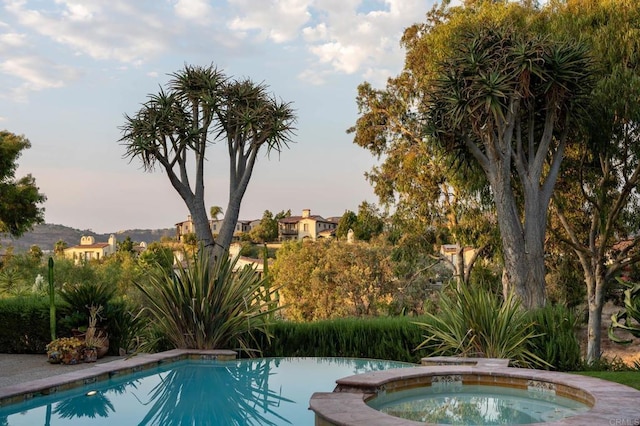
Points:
(25, 324)
(390, 338)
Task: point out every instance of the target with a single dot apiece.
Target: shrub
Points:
(208, 306)
(25, 324)
(556, 341)
(473, 322)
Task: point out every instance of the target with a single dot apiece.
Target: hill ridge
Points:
(46, 235)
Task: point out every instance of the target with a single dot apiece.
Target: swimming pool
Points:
(264, 391)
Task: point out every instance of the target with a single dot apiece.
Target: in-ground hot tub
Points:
(598, 401)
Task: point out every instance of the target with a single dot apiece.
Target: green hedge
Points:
(557, 341)
(25, 324)
(391, 338)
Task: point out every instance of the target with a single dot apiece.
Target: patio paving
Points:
(21, 368)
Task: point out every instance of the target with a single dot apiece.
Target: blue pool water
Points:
(264, 392)
(445, 403)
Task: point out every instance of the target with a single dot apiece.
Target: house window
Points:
(306, 227)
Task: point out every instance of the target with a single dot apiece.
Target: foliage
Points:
(333, 279)
(80, 297)
(65, 344)
(347, 221)
(207, 306)
(556, 340)
(565, 280)
(475, 323)
(156, 254)
(25, 324)
(125, 245)
(596, 208)
(628, 319)
(19, 198)
(368, 222)
(392, 338)
(267, 229)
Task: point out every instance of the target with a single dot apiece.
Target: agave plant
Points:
(627, 319)
(475, 323)
(208, 305)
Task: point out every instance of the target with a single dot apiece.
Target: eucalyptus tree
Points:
(597, 206)
(200, 106)
(20, 199)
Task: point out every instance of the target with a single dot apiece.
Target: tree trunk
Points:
(595, 299)
(524, 269)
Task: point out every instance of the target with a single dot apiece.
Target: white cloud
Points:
(121, 33)
(194, 10)
(352, 41)
(11, 40)
(277, 20)
(36, 74)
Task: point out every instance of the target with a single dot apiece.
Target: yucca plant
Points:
(475, 323)
(208, 305)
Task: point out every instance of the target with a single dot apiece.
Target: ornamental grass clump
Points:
(476, 323)
(208, 305)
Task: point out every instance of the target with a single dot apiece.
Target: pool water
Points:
(264, 391)
(447, 403)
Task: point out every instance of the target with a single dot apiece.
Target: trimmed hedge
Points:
(390, 338)
(25, 324)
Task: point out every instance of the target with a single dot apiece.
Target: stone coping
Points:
(456, 360)
(611, 403)
(99, 372)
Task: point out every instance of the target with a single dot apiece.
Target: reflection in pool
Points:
(447, 403)
(265, 391)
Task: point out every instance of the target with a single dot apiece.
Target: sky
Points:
(71, 70)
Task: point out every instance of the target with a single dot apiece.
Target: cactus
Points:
(628, 318)
(52, 304)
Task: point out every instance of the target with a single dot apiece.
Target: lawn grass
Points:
(629, 378)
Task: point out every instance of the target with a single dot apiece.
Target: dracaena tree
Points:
(199, 106)
(507, 95)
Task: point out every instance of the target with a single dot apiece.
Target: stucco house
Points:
(307, 226)
(187, 227)
(88, 249)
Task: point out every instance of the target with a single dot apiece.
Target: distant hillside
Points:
(46, 235)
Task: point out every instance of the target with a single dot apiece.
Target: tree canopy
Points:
(20, 198)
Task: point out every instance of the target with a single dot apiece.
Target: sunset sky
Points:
(70, 70)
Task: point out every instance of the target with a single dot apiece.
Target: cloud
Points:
(198, 11)
(36, 74)
(351, 38)
(276, 20)
(117, 32)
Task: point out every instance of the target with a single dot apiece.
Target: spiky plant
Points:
(628, 319)
(208, 305)
(475, 323)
